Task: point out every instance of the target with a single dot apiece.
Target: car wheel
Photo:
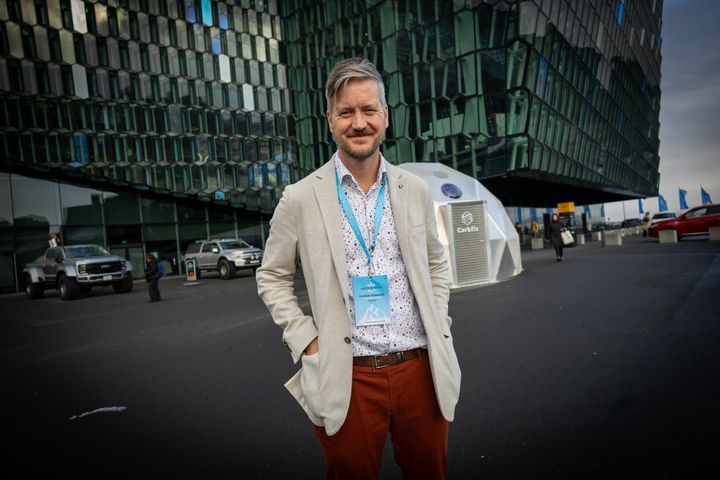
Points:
(68, 288)
(125, 286)
(33, 290)
(226, 269)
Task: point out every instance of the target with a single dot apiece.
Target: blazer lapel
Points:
(326, 195)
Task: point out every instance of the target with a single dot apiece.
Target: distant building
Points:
(143, 125)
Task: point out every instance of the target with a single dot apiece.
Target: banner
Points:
(662, 204)
(602, 211)
(705, 196)
(640, 205)
(683, 202)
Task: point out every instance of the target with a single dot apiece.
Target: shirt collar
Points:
(344, 173)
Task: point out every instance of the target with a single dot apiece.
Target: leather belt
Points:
(381, 361)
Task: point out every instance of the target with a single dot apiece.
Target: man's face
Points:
(358, 120)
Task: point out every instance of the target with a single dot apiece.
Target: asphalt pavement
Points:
(603, 366)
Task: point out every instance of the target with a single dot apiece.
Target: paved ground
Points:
(603, 366)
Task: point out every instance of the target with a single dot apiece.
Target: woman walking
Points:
(152, 275)
(555, 236)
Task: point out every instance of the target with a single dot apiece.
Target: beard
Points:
(360, 153)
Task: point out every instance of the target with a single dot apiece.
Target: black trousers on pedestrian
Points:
(558, 250)
(153, 289)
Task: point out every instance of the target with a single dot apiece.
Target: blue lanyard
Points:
(353, 222)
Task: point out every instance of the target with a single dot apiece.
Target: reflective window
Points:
(36, 202)
(121, 208)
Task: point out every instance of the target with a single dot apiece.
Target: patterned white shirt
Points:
(405, 330)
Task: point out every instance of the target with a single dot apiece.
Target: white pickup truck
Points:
(225, 256)
(74, 269)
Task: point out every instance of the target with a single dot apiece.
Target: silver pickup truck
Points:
(225, 256)
(75, 269)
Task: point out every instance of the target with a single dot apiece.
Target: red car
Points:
(696, 221)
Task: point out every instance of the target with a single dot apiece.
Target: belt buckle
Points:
(375, 360)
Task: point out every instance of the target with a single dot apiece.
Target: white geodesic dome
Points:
(499, 246)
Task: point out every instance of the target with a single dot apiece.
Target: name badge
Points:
(372, 300)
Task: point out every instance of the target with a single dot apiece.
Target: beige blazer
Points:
(306, 230)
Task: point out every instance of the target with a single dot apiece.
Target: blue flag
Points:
(548, 211)
(519, 213)
(602, 211)
(640, 205)
(705, 196)
(662, 204)
(586, 210)
(683, 202)
(533, 214)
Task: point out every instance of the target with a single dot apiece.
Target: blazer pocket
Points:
(294, 387)
(310, 381)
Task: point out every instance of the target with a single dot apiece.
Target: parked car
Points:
(696, 221)
(74, 269)
(225, 256)
(660, 216)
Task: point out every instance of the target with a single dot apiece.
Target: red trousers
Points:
(400, 399)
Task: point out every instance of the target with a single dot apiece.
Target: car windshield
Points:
(659, 216)
(233, 244)
(85, 251)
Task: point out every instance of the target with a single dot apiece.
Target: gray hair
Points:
(357, 68)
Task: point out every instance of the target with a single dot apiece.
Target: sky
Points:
(689, 107)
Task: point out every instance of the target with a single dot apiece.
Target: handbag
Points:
(567, 237)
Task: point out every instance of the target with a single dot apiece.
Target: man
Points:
(376, 354)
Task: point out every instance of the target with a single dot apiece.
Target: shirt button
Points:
(347, 340)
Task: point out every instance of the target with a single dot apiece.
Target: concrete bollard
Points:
(580, 239)
(597, 236)
(668, 236)
(612, 238)
(715, 234)
(536, 244)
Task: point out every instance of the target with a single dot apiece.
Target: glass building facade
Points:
(544, 101)
(152, 123)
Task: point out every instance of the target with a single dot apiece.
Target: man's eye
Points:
(344, 114)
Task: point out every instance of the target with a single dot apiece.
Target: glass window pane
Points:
(36, 202)
(121, 208)
(80, 206)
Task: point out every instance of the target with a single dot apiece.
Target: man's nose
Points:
(359, 122)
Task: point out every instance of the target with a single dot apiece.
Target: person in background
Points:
(534, 229)
(555, 237)
(152, 276)
(519, 231)
(646, 221)
(54, 240)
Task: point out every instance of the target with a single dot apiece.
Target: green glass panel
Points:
(80, 206)
(121, 209)
(158, 232)
(83, 235)
(157, 211)
(36, 202)
(6, 216)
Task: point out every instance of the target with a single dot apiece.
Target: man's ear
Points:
(329, 120)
